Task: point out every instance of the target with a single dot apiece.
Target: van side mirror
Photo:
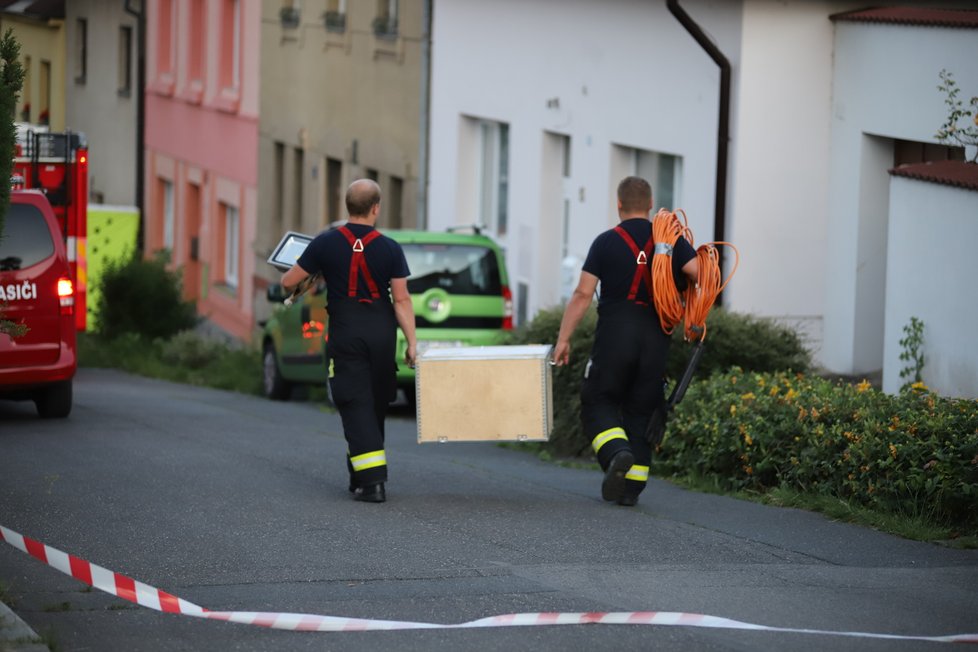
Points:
(275, 293)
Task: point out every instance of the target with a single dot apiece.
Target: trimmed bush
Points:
(144, 298)
(732, 339)
(914, 454)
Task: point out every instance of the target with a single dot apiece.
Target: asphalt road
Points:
(238, 503)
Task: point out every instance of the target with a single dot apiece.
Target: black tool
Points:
(656, 430)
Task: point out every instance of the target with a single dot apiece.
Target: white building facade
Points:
(537, 111)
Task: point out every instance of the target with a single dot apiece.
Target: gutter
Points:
(723, 127)
(139, 13)
(421, 215)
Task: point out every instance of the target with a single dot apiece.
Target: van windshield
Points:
(457, 269)
(26, 240)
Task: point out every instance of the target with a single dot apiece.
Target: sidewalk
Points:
(16, 635)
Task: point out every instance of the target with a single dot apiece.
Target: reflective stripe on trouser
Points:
(606, 436)
(370, 460)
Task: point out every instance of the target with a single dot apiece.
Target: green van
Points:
(460, 292)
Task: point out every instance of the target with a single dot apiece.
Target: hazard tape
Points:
(147, 596)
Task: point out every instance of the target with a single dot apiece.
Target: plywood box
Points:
(485, 393)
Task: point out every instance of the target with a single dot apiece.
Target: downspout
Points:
(723, 128)
(425, 120)
(139, 13)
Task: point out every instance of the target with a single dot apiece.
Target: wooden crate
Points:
(485, 393)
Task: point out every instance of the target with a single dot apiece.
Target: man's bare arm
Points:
(579, 302)
(404, 312)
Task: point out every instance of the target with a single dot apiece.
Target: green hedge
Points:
(914, 453)
(144, 298)
(732, 339)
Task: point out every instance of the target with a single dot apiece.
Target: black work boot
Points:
(628, 500)
(613, 485)
(371, 493)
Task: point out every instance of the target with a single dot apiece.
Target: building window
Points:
(164, 44)
(81, 50)
(168, 217)
(25, 112)
(231, 228)
(335, 15)
(664, 174)
(125, 61)
(371, 174)
(334, 176)
(231, 45)
(493, 176)
(44, 117)
(385, 23)
(195, 54)
(290, 15)
(279, 181)
(298, 174)
(393, 205)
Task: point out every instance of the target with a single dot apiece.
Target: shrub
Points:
(143, 297)
(913, 454)
(732, 339)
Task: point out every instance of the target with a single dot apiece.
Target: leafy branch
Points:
(952, 131)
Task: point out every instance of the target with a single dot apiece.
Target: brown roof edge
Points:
(913, 16)
(959, 174)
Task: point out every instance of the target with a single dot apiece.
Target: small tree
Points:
(951, 131)
(11, 80)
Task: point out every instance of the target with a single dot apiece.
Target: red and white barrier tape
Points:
(147, 596)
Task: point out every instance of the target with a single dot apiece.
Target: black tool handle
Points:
(680, 390)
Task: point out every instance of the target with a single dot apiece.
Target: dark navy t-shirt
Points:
(612, 261)
(330, 253)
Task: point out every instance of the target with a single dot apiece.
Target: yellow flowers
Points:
(748, 439)
(748, 397)
(790, 395)
(919, 386)
(863, 386)
(733, 410)
(893, 451)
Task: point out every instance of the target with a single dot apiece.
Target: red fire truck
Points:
(57, 165)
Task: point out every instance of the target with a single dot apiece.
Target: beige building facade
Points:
(41, 34)
(343, 93)
(102, 94)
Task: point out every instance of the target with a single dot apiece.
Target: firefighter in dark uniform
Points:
(364, 271)
(623, 380)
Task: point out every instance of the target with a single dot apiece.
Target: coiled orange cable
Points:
(693, 305)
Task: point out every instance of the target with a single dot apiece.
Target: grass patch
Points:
(50, 639)
(185, 358)
(917, 527)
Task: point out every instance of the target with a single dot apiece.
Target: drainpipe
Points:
(137, 9)
(723, 128)
(424, 127)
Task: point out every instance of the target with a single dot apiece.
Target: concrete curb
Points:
(16, 635)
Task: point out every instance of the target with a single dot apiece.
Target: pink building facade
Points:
(201, 183)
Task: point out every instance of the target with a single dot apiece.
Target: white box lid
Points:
(514, 352)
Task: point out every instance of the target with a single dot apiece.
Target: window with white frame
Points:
(385, 23)
(493, 175)
(231, 236)
(335, 16)
(664, 174)
(168, 219)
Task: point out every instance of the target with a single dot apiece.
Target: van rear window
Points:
(457, 269)
(26, 240)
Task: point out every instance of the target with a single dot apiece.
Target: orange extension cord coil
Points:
(693, 305)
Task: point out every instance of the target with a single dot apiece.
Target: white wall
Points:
(623, 72)
(930, 276)
(778, 161)
(885, 86)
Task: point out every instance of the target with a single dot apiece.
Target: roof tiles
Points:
(950, 173)
(920, 16)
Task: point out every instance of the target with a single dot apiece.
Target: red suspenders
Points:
(358, 263)
(642, 269)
